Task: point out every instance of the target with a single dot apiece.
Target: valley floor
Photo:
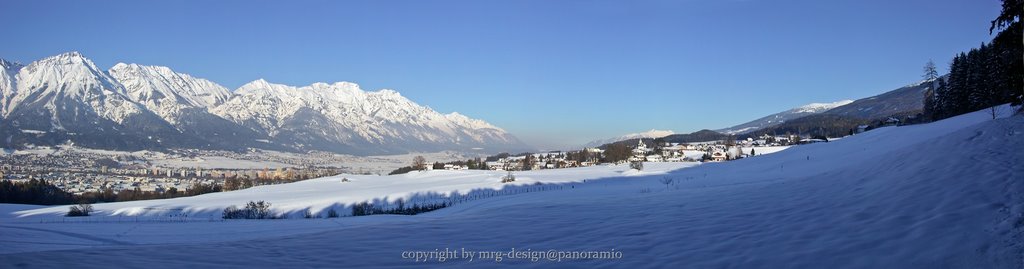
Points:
(948, 194)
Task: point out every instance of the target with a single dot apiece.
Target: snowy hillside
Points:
(938, 195)
(778, 118)
(67, 99)
(167, 93)
(648, 134)
(8, 71)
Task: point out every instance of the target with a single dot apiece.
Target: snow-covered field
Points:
(948, 194)
(763, 150)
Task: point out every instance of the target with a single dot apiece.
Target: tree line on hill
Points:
(239, 183)
(420, 163)
(818, 125)
(986, 76)
(40, 192)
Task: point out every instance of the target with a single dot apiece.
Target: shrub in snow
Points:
(508, 178)
(638, 165)
(361, 209)
(81, 210)
(252, 210)
(307, 214)
(332, 213)
(667, 181)
(232, 212)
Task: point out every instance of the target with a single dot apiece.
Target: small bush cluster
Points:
(81, 210)
(252, 210)
(508, 178)
(666, 181)
(638, 165)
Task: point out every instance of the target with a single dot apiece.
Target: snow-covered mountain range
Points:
(778, 118)
(648, 134)
(66, 98)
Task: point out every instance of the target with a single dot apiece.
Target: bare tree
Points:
(930, 72)
(667, 181)
(419, 163)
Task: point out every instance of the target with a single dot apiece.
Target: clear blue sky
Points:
(551, 72)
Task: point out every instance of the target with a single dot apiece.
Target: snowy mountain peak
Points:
(69, 55)
(346, 85)
(8, 70)
(161, 84)
(655, 133)
(79, 75)
(342, 113)
(257, 85)
(168, 93)
(154, 106)
(389, 92)
(8, 64)
(65, 59)
(64, 91)
(820, 107)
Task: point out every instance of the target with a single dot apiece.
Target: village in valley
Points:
(637, 150)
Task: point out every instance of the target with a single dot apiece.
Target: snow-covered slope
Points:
(939, 195)
(185, 102)
(778, 118)
(166, 92)
(648, 134)
(8, 71)
(343, 117)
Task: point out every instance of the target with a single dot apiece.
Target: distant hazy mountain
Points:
(779, 118)
(66, 98)
(648, 134)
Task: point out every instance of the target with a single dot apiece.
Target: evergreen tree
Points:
(1012, 11)
(929, 103)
